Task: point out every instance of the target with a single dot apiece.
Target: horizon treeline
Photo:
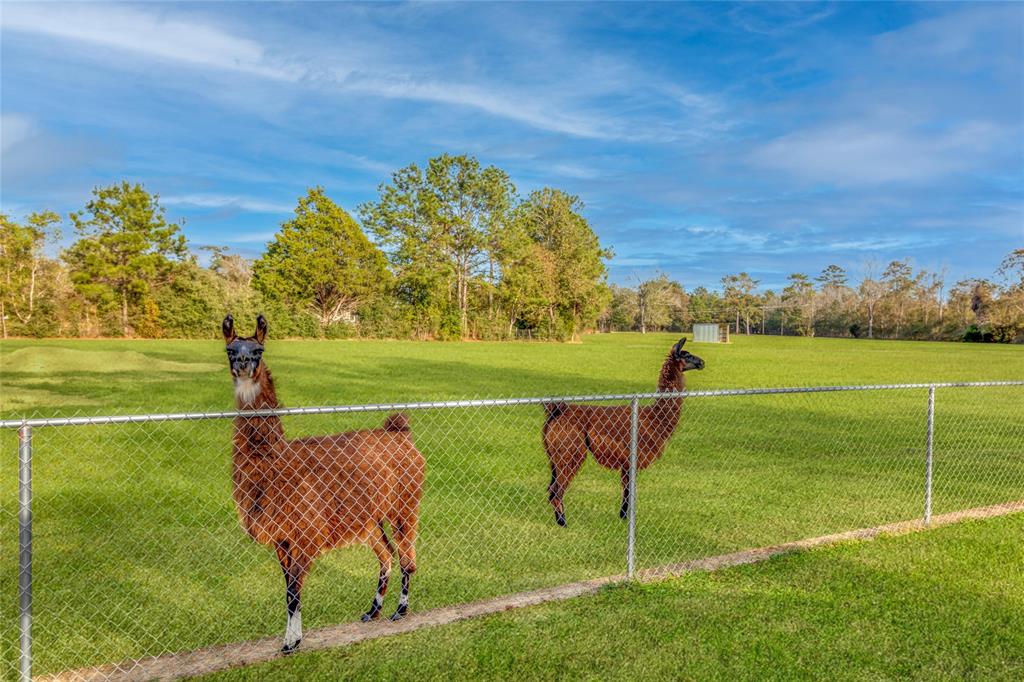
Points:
(449, 250)
(446, 251)
(894, 302)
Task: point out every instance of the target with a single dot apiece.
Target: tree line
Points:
(448, 250)
(895, 302)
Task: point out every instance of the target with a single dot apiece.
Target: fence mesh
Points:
(138, 550)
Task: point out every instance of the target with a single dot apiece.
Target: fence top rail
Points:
(484, 402)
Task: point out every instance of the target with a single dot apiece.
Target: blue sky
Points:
(703, 138)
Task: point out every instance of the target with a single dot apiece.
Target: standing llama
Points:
(570, 431)
(304, 496)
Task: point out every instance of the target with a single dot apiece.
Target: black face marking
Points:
(244, 355)
(689, 360)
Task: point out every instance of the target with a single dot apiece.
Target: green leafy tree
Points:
(528, 278)
(679, 318)
(440, 227)
(900, 283)
(621, 313)
(568, 275)
(800, 304)
(126, 249)
(660, 304)
(835, 299)
(1007, 312)
(738, 291)
(319, 260)
(705, 305)
(23, 264)
(832, 276)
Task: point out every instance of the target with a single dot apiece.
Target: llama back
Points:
(389, 456)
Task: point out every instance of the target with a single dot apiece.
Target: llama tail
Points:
(553, 410)
(399, 421)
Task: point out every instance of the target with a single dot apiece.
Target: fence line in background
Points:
(25, 433)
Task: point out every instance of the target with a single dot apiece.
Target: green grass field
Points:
(946, 604)
(138, 551)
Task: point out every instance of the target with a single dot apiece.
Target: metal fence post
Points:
(634, 427)
(928, 458)
(25, 551)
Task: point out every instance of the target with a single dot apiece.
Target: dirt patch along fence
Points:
(135, 549)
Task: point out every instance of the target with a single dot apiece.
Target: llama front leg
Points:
(384, 551)
(295, 567)
(624, 509)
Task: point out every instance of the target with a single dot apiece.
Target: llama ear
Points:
(228, 329)
(261, 329)
(679, 345)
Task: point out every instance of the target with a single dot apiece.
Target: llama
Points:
(304, 496)
(570, 431)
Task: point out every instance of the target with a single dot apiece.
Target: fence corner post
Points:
(928, 457)
(25, 552)
(634, 428)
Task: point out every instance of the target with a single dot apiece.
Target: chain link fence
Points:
(121, 539)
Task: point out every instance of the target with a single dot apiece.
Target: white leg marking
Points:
(404, 599)
(293, 631)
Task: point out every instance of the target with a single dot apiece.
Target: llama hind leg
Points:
(405, 538)
(565, 464)
(385, 551)
(295, 566)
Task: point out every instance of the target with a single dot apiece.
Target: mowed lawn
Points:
(945, 604)
(138, 549)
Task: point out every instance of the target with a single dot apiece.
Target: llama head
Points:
(684, 359)
(245, 354)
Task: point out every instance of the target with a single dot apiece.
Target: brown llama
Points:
(304, 496)
(570, 431)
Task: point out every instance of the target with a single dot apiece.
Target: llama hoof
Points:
(290, 648)
(560, 519)
(399, 614)
(370, 615)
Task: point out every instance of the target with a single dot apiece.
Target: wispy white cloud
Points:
(775, 19)
(498, 102)
(954, 35)
(31, 151)
(14, 128)
(149, 33)
(227, 201)
(877, 152)
(363, 162)
(573, 170)
(190, 39)
(250, 238)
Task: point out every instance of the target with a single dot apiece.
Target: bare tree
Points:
(871, 292)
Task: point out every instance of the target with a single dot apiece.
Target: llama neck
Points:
(672, 378)
(257, 436)
(665, 411)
